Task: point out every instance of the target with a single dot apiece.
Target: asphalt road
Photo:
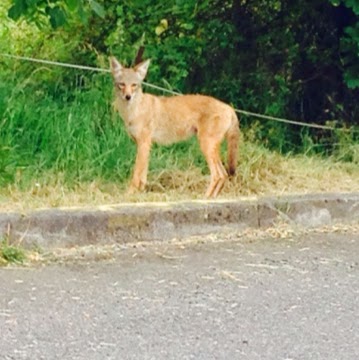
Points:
(280, 299)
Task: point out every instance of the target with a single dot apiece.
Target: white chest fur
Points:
(132, 116)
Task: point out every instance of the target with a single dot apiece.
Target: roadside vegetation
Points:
(61, 143)
(10, 254)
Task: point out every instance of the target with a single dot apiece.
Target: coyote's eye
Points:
(133, 86)
(121, 85)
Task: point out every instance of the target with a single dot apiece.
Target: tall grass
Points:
(73, 133)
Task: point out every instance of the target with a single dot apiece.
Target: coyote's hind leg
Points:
(210, 148)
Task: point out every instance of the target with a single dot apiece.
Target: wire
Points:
(293, 122)
(244, 112)
(57, 63)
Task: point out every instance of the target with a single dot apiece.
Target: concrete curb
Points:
(66, 227)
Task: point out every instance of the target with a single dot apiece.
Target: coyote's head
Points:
(128, 80)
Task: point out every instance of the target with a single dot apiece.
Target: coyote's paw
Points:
(131, 190)
(135, 187)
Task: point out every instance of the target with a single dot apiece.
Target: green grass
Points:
(73, 133)
(10, 254)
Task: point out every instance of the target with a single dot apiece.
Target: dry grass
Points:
(259, 173)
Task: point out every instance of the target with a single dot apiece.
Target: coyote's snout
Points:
(165, 120)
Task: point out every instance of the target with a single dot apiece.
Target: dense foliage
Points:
(297, 58)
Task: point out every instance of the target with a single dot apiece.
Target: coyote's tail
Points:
(232, 137)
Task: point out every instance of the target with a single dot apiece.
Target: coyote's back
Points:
(166, 120)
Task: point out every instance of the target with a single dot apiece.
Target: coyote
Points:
(165, 120)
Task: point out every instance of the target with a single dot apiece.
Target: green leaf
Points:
(353, 32)
(353, 4)
(335, 2)
(352, 83)
(82, 14)
(72, 4)
(187, 26)
(97, 8)
(31, 3)
(57, 16)
(119, 10)
(162, 27)
(18, 9)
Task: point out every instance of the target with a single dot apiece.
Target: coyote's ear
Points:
(116, 67)
(141, 68)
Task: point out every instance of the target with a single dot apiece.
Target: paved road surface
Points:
(249, 299)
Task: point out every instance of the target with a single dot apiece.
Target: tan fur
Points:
(165, 120)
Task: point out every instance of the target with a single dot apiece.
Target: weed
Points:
(10, 253)
(347, 148)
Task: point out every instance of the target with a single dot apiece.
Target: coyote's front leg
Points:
(139, 177)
